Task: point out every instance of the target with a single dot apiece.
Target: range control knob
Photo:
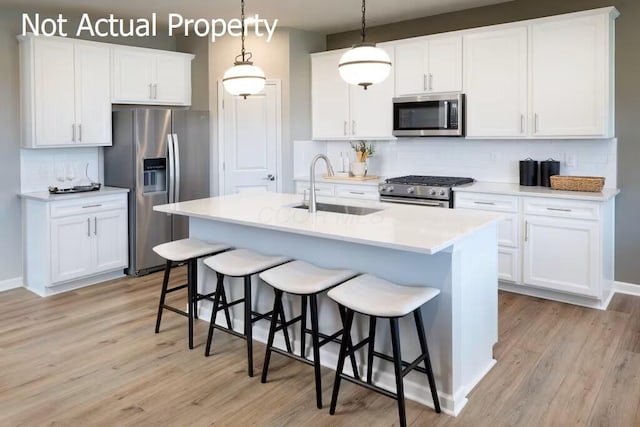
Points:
(442, 192)
(387, 188)
(432, 192)
(411, 190)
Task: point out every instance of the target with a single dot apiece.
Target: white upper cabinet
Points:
(571, 89)
(495, 83)
(343, 111)
(65, 99)
(146, 76)
(433, 65)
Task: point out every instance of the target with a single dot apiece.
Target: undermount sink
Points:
(343, 209)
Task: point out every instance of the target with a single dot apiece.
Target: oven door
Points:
(416, 201)
(428, 115)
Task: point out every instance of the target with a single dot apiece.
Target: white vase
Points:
(359, 168)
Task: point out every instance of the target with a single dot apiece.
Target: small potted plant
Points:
(363, 152)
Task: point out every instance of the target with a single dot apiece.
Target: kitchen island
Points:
(454, 251)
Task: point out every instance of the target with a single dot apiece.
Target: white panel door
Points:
(251, 131)
(109, 240)
(562, 255)
(173, 75)
(70, 248)
(569, 66)
(54, 92)
(93, 94)
(444, 62)
(372, 109)
(410, 68)
(329, 98)
(495, 83)
(133, 76)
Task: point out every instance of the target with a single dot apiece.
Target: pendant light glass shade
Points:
(364, 65)
(244, 79)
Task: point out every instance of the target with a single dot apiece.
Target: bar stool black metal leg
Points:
(277, 302)
(214, 311)
(223, 298)
(192, 280)
(417, 315)
(397, 364)
(190, 311)
(372, 343)
(347, 337)
(316, 349)
(285, 330)
(163, 294)
(248, 324)
(303, 325)
(348, 320)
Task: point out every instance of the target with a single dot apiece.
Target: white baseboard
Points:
(626, 288)
(8, 284)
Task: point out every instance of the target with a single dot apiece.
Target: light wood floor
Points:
(90, 357)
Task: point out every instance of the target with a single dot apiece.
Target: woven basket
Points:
(577, 183)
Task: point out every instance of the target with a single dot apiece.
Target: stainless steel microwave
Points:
(429, 115)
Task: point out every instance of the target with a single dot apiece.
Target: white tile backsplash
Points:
(40, 168)
(483, 160)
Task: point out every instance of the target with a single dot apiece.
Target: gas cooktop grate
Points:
(437, 181)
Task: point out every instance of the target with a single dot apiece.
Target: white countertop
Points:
(404, 227)
(319, 178)
(45, 196)
(520, 190)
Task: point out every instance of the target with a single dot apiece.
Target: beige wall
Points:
(627, 92)
(10, 219)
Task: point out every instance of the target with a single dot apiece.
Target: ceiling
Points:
(327, 16)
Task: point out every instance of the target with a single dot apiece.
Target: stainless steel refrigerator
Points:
(161, 156)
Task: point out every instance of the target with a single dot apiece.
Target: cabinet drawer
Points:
(357, 192)
(87, 205)
(321, 189)
(487, 202)
(562, 208)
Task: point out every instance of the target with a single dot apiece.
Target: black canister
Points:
(548, 168)
(529, 172)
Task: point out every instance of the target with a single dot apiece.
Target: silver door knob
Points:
(269, 177)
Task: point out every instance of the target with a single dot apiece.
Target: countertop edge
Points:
(44, 196)
(484, 187)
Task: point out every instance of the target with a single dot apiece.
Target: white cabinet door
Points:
(329, 98)
(70, 248)
(410, 68)
(93, 94)
(509, 265)
(495, 83)
(173, 80)
(569, 68)
(561, 255)
(444, 63)
(109, 240)
(371, 110)
(133, 76)
(53, 92)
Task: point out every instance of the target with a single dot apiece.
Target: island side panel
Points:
(402, 267)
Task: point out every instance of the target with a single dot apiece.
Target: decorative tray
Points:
(94, 186)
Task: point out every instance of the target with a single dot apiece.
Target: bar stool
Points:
(240, 263)
(307, 281)
(375, 297)
(185, 250)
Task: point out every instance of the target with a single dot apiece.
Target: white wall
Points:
(483, 160)
(43, 167)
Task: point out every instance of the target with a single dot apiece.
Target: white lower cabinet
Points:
(565, 248)
(71, 240)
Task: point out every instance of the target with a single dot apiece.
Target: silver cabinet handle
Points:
(484, 203)
(425, 85)
(73, 132)
(95, 225)
(535, 123)
(80, 132)
(88, 227)
(521, 123)
(526, 231)
(430, 81)
(91, 206)
(150, 91)
(361, 193)
(353, 127)
(559, 209)
(345, 128)
(155, 91)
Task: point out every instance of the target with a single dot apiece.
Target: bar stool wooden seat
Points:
(378, 298)
(189, 251)
(240, 263)
(307, 281)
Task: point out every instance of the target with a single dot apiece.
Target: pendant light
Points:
(364, 64)
(243, 78)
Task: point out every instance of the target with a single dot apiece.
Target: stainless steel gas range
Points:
(433, 191)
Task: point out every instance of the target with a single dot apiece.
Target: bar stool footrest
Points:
(175, 310)
(177, 288)
(368, 386)
(405, 364)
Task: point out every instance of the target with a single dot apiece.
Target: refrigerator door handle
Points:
(172, 177)
(176, 157)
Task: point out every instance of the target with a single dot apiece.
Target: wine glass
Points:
(70, 173)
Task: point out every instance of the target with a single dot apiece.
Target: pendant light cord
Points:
(364, 9)
(242, 20)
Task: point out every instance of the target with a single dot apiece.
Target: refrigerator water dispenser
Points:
(155, 175)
